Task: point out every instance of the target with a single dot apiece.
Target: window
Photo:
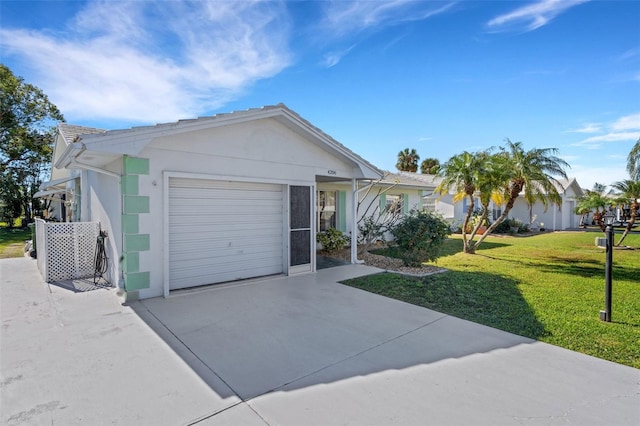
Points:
(394, 204)
(429, 204)
(497, 212)
(327, 209)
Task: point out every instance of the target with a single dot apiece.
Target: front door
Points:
(300, 225)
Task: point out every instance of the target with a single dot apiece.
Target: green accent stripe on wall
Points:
(129, 184)
(137, 280)
(131, 262)
(129, 223)
(342, 211)
(137, 242)
(405, 201)
(136, 166)
(383, 203)
(134, 204)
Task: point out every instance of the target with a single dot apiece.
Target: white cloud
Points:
(154, 61)
(628, 122)
(607, 174)
(587, 128)
(531, 16)
(595, 142)
(346, 17)
(624, 129)
(333, 58)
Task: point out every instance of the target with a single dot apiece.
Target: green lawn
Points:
(12, 241)
(549, 287)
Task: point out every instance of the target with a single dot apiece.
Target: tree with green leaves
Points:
(533, 172)
(596, 201)
(633, 161)
(408, 160)
(465, 174)
(27, 125)
(430, 166)
(628, 194)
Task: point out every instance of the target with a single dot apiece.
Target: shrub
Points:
(503, 227)
(332, 240)
(370, 230)
(419, 237)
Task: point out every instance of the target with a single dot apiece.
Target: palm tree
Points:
(430, 166)
(408, 160)
(633, 162)
(462, 174)
(630, 194)
(534, 172)
(593, 200)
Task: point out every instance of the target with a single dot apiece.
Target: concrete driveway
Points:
(303, 350)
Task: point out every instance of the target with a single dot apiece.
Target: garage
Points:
(223, 231)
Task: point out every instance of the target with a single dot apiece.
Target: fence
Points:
(66, 250)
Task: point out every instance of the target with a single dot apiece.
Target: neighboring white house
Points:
(552, 217)
(226, 197)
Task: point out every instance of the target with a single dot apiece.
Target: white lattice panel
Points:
(69, 250)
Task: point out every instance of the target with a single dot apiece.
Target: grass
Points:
(549, 287)
(12, 241)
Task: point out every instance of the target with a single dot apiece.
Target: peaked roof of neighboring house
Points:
(427, 181)
(108, 145)
(71, 133)
(416, 180)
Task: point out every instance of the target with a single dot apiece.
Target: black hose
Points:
(101, 259)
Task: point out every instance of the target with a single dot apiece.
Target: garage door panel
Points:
(246, 253)
(195, 219)
(234, 225)
(247, 206)
(189, 242)
(195, 276)
(222, 231)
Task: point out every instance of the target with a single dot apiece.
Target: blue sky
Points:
(437, 76)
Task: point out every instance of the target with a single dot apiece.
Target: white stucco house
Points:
(207, 200)
(223, 198)
(552, 217)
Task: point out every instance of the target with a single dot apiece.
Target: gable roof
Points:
(104, 146)
(415, 180)
(71, 132)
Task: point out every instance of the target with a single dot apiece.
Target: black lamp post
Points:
(608, 220)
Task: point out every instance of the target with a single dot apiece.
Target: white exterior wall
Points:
(446, 207)
(555, 218)
(102, 203)
(258, 151)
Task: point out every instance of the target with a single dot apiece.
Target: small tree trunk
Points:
(513, 195)
(466, 243)
(634, 211)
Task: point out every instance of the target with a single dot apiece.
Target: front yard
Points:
(549, 287)
(12, 241)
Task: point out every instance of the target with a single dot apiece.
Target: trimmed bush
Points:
(419, 237)
(332, 240)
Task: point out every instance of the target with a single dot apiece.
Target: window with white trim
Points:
(394, 204)
(327, 210)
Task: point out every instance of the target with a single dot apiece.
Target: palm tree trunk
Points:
(513, 194)
(466, 243)
(634, 211)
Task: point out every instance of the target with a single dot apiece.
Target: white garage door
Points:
(223, 231)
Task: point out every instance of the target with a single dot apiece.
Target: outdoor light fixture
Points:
(608, 221)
